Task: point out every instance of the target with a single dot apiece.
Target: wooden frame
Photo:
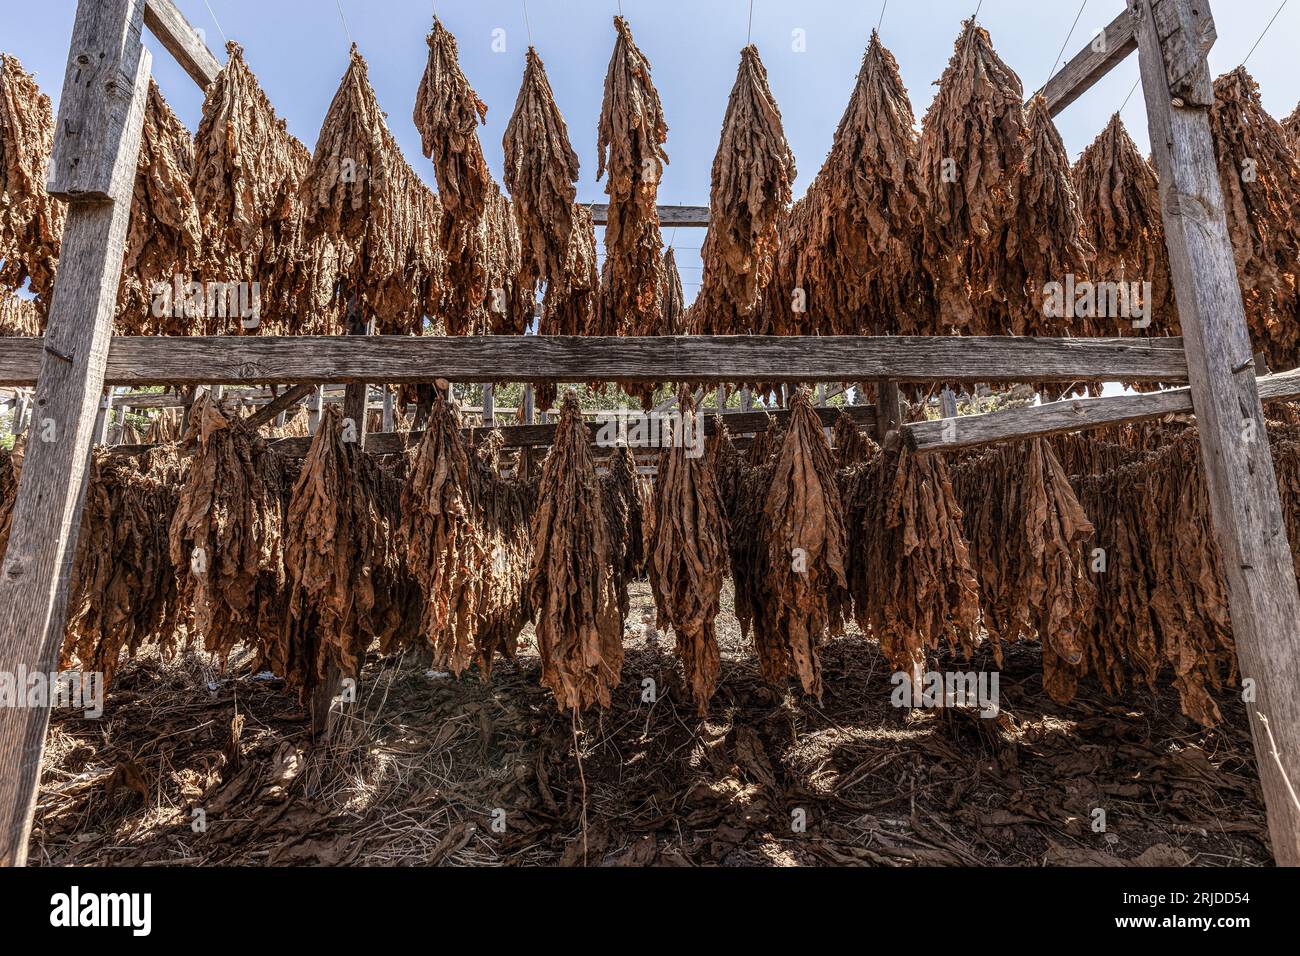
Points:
(93, 166)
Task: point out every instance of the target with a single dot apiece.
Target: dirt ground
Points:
(426, 769)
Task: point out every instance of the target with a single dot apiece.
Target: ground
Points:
(432, 770)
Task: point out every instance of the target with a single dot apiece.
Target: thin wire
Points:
(749, 37)
(1073, 26)
(528, 26)
(883, 7)
(1265, 33)
(977, 10)
(343, 17)
(216, 21)
(1130, 94)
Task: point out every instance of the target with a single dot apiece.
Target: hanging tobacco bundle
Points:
(850, 259)
(1260, 175)
(910, 570)
(1044, 242)
(484, 289)
(164, 238)
(689, 557)
(361, 194)
(31, 221)
(630, 141)
(465, 535)
(753, 173)
(18, 315)
(972, 156)
(672, 299)
(123, 582)
(246, 175)
(571, 581)
(226, 536)
(334, 541)
(8, 495)
(1120, 200)
(852, 447)
(1026, 527)
(622, 504)
(1291, 126)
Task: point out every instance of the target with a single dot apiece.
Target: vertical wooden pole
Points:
(889, 410)
(103, 418)
(20, 412)
(1174, 37)
(949, 399)
(97, 142)
(315, 405)
(390, 409)
(489, 405)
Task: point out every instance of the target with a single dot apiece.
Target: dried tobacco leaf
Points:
(31, 221)
(850, 259)
(571, 581)
(384, 222)
(247, 171)
(226, 536)
(672, 299)
(1260, 175)
(689, 557)
(447, 114)
(1291, 126)
(18, 315)
(630, 141)
(972, 157)
(164, 238)
(852, 446)
(753, 173)
(1120, 200)
(622, 501)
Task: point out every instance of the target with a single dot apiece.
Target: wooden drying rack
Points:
(93, 168)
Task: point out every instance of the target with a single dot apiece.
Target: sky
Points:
(812, 50)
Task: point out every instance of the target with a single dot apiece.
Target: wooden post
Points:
(1174, 37)
(390, 410)
(20, 412)
(949, 400)
(889, 410)
(489, 405)
(746, 399)
(315, 405)
(97, 142)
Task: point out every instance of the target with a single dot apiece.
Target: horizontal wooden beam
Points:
(182, 41)
(394, 360)
(1073, 415)
(279, 404)
(1101, 55)
(674, 217)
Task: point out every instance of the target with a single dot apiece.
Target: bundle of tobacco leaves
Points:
(123, 585)
(744, 486)
(630, 141)
(18, 315)
(622, 502)
(383, 221)
(465, 535)
(571, 581)
(334, 540)
(1044, 242)
(672, 299)
(8, 495)
(909, 570)
(31, 221)
(226, 536)
(753, 172)
(689, 557)
(850, 259)
(1120, 200)
(852, 447)
(246, 175)
(972, 157)
(572, 305)
(1291, 126)
(484, 290)
(1026, 527)
(164, 238)
(1260, 174)
(540, 172)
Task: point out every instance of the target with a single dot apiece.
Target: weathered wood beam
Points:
(97, 142)
(158, 360)
(285, 401)
(182, 41)
(675, 217)
(1103, 53)
(1174, 38)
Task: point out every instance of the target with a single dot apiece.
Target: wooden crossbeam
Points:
(670, 217)
(286, 400)
(395, 360)
(1102, 54)
(182, 41)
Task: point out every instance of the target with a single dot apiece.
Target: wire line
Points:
(1265, 33)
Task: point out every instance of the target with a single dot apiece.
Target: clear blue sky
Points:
(298, 48)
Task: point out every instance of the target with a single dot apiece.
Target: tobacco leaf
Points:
(571, 580)
(630, 140)
(852, 447)
(753, 173)
(1291, 126)
(19, 316)
(31, 221)
(689, 557)
(623, 514)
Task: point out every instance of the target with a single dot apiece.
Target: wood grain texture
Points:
(182, 41)
(1086, 69)
(47, 512)
(400, 360)
(285, 401)
(1244, 502)
(675, 217)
